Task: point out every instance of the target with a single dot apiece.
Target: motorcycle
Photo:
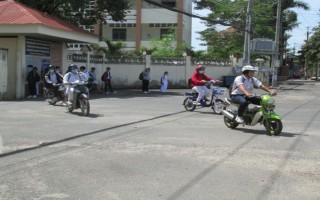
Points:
(80, 99)
(214, 102)
(48, 93)
(263, 114)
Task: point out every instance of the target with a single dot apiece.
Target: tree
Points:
(263, 20)
(310, 51)
(166, 46)
(75, 11)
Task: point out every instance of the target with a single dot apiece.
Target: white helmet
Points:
(248, 68)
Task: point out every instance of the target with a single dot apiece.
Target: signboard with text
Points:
(37, 47)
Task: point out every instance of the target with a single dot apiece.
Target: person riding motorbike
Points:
(199, 81)
(52, 81)
(70, 79)
(242, 89)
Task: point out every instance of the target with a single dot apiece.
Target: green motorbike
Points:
(263, 114)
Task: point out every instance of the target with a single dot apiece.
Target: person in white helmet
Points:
(242, 89)
(70, 79)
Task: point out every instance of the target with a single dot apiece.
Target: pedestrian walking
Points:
(145, 78)
(164, 82)
(106, 78)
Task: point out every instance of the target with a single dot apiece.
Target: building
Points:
(29, 37)
(146, 21)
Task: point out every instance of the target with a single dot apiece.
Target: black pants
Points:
(107, 84)
(145, 85)
(244, 101)
(32, 88)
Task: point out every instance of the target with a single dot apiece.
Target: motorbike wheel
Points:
(273, 126)
(230, 123)
(84, 106)
(218, 106)
(188, 104)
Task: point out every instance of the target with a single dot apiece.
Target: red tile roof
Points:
(15, 13)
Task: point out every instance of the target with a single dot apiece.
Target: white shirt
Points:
(70, 77)
(53, 78)
(248, 84)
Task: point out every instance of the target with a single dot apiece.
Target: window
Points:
(171, 3)
(119, 34)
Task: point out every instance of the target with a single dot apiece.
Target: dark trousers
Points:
(32, 88)
(244, 101)
(107, 84)
(145, 85)
(55, 90)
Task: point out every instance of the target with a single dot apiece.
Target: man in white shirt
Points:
(242, 90)
(70, 78)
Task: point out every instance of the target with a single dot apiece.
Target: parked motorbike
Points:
(49, 95)
(263, 114)
(80, 99)
(214, 102)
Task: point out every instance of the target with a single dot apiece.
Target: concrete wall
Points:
(126, 75)
(10, 44)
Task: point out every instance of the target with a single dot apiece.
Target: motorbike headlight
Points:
(271, 101)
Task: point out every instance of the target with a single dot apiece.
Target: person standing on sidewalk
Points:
(32, 79)
(106, 78)
(145, 80)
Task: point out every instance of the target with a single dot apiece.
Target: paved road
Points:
(136, 146)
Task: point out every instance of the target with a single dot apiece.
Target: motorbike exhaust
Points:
(228, 114)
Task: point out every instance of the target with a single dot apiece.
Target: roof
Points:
(13, 13)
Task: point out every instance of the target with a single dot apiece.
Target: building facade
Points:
(145, 21)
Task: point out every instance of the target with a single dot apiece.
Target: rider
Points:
(242, 89)
(70, 79)
(52, 81)
(199, 81)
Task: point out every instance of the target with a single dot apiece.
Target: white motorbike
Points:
(80, 98)
(214, 102)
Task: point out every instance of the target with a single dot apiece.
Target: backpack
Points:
(231, 86)
(141, 76)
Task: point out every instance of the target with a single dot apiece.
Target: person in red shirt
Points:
(199, 81)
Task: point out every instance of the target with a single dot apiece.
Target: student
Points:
(164, 82)
(106, 77)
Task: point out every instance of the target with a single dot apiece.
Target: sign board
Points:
(37, 47)
(263, 46)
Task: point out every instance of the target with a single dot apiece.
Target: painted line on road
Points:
(45, 144)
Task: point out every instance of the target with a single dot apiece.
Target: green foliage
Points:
(114, 48)
(234, 12)
(74, 11)
(310, 51)
(166, 46)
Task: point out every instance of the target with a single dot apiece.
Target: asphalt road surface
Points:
(137, 146)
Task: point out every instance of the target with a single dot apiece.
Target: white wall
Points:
(11, 45)
(126, 75)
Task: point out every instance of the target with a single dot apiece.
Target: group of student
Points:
(53, 78)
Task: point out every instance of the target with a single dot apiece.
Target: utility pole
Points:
(246, 47)
(306, 61)
(275, 56)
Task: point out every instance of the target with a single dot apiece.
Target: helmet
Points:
(51, 67)
(72, 66)
(248, 68)
(200, 67)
